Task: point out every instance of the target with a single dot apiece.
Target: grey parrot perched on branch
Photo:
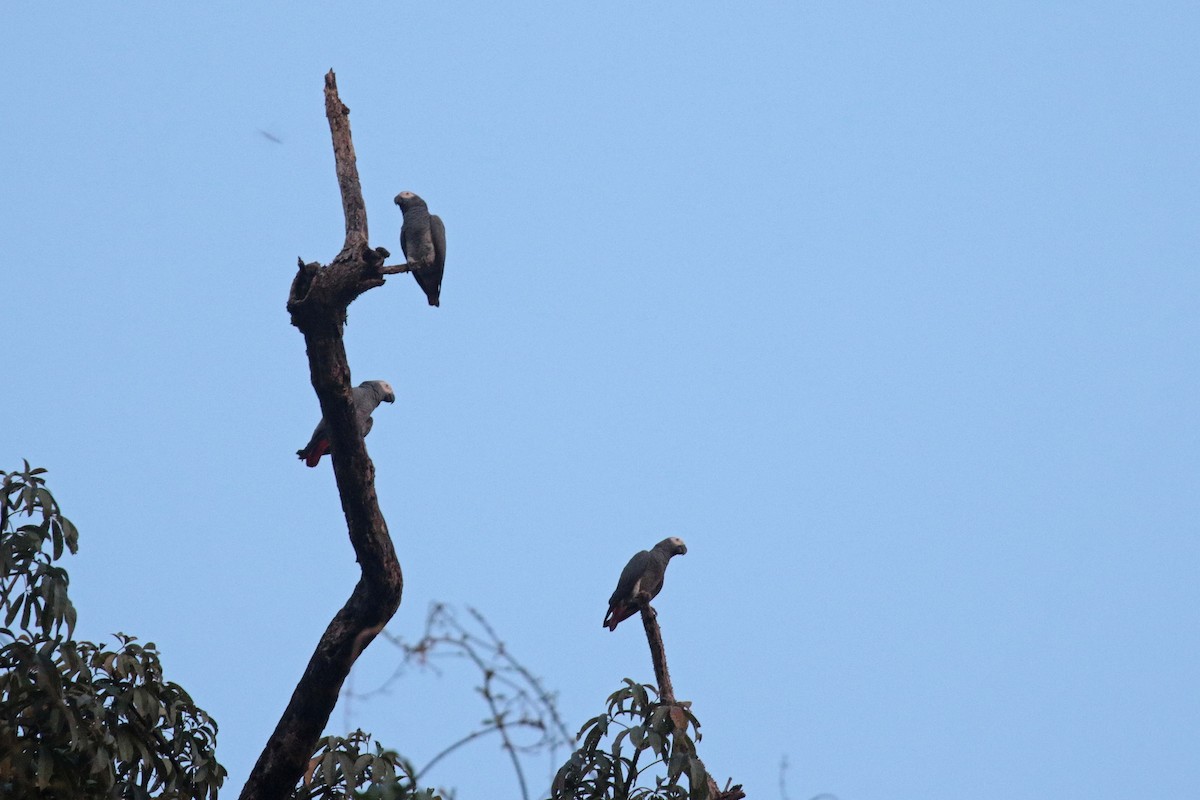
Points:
(643, 575)
(367, 397)
(423, 242)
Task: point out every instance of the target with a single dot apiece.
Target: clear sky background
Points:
(888, 309)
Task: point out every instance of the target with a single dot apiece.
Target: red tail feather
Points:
(314, 455)
(618, 614)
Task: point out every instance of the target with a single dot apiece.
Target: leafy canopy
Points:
(78, 719)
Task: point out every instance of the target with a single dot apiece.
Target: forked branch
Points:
(317, 303)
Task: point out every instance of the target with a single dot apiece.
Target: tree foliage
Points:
(77, 719)
(639, 749)
(347, 767)
(32, 585)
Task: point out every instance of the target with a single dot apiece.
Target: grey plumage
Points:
(643, 575)
(367, 396)
(423, 242)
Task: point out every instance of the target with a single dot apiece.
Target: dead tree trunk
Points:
(317, 303)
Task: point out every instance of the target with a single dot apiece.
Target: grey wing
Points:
(437, 232)
(429, 277)
(366, 400)
(633, 571)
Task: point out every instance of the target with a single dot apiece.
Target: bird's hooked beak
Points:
(389, 396)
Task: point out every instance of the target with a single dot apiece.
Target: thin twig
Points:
(470, 737)
(498, 717)
(543, 695)
(515, 697)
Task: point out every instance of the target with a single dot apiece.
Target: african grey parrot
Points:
(423, 242)
(367, 396)
(642, 575)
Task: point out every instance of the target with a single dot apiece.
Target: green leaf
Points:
(70, 534)
(637, 735)
(346, 764)
(640, 697)
(44, 770)
(327, 769)
(586, 725)
(29, 600)
(57, 541)
(675, 766)
(697, 779)
(100, 760)
(146, 705)
(14, 608)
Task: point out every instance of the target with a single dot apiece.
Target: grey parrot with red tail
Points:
(423, 242)
(367, 397)
(642, 578)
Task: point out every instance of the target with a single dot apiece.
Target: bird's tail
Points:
(618, 614)
(311, 455)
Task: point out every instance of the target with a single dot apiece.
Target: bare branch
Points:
(502, 727)
(353, 207)
(317, 302)
(546, 697)
(470, 737)
(732, 791)
(658, 654)
(517, 701)
(666, 693)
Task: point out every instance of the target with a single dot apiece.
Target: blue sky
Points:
(890, 311)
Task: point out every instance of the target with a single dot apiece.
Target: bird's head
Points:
(407, 200)
(673, 545)
(388, 395)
